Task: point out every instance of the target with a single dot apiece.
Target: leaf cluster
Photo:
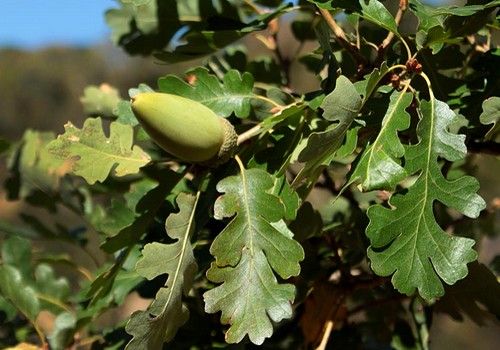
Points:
(350, 198)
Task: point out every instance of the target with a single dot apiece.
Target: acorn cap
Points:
(185, 128)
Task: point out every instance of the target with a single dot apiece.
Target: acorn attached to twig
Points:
(185, 128)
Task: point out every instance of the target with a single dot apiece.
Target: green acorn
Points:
(185, 128)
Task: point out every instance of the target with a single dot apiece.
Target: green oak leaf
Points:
(34, 167)
(65, 326)
(375, 12)
(100, 100)
(159, 324)
(124, 114)
(202, 40)
(438, 25)
(289, 112)
(405, 239)
(49, 287)
(491, 114)
(343, 105)
(232, 95)
(113, 220)
(367, 86)
(95, 155)
(378, 166)
(7, 308)
(51, 291)
(14, 289)
(336, 4)
(247, 251)
(143, 201)
(287, 196)
(142, 12)
(113, 284)
(16, 251)
(427, 18)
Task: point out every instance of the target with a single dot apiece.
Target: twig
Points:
(247, 135)
(331, 323)
(341, 38)
(403, 5)
(337, 30)
(326, 335)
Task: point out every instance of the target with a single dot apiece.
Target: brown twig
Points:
(331, 323)
(403, 5)
(247, 135)
(341, 38)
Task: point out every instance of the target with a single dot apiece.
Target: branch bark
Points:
(403, 5)
(341, 38)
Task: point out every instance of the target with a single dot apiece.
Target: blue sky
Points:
(36, 23)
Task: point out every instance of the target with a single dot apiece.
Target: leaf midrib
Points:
(183, 251)
(426, 179)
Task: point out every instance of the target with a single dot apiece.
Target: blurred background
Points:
(51, 50)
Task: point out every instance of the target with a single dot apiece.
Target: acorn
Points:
(185, 128)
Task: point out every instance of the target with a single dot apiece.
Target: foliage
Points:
(389, 134)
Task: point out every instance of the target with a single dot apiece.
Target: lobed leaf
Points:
(405, 239)
(367, 86)
(221, 26)
(232, 95)
(438, 25)
(100, 100)
(48, 286)
(95, 155)
(143, 202)
(375, 12)
(143, 26)
(33, 168)
(15, 290)
(343, 105)
(159, 324)
(247, 251)
(379, 167)
(491, 115)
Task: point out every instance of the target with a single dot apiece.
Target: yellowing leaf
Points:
(95, 155)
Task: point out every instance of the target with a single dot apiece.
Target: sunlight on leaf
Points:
(405, 239)
(247, 251)
(96, 155)
(159, 324)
